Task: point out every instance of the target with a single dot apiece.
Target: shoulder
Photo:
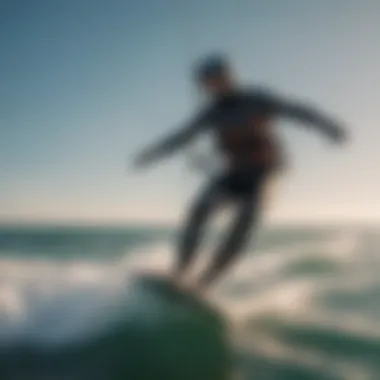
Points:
(259, 93)
(266, 99)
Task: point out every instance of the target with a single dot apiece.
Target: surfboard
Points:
(192, 335)
(182, 294)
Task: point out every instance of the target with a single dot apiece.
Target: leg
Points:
(247, 214)
(193, 231)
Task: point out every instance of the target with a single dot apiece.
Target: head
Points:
(214, 75)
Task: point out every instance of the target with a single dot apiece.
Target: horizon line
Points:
(72, 223)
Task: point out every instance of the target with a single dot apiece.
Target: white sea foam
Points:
(52, 302)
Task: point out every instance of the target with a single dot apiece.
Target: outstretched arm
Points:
(308, 115)
(172, 142)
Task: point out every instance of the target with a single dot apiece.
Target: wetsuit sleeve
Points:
(305, 114)
(176, 140)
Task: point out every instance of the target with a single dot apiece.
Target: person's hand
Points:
(142, 160)
(338, 135)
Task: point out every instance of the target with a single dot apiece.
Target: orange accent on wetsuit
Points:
(250, 143)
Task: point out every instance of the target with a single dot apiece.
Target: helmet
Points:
(210, 66)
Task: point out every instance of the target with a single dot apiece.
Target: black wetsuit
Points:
(241, 123)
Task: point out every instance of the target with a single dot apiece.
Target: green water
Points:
(301, 304)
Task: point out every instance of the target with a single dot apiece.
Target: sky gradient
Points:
(84, 84)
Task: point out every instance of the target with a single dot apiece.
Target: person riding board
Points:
(240, 120)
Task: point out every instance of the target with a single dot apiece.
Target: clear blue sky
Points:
(84, 83)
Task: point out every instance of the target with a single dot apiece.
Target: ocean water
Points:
(302, 303)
